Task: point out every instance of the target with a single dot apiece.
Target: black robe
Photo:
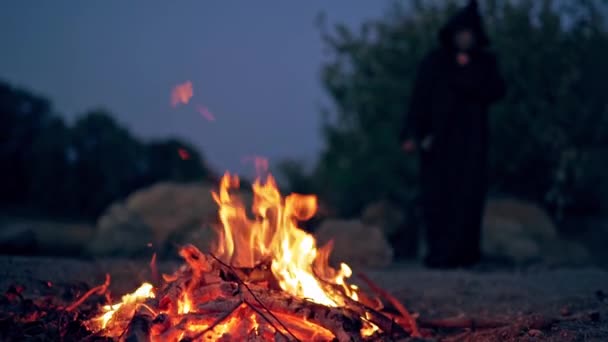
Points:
(450, 103)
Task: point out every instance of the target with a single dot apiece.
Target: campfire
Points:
(266, 279)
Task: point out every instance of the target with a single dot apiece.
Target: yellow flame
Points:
(142, 293)
(184, 305)
(274, 234)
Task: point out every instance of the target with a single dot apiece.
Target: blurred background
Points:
(98, 158)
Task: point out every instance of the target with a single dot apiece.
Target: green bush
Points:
(544, 134)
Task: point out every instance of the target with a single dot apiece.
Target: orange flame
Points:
(273, 234)
(181, 94)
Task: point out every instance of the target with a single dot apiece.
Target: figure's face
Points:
(464, 39)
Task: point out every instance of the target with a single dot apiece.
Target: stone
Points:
(384, 215)
(168, 208)
(522, 232)
(164, 215)
(355, 243)
(507, 239)
(399, 225)
(204, 238)
(121, 232)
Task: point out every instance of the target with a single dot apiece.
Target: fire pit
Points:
(265, 280)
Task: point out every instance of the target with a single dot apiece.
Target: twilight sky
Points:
(254, 65)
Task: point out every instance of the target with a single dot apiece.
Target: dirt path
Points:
(508, 296)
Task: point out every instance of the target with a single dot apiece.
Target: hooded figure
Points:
(447, 124)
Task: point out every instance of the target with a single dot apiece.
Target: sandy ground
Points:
(504, 295)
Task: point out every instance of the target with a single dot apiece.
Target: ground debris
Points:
(42, 316)
(498, 295)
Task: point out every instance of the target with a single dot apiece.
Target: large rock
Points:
(355, 243)
(121, 232)
(397, 224)
(522, 232)
(171, 208)
(384, 215)
(204, 237)
(164, 215)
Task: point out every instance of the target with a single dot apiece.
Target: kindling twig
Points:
(395, 302)
(385, 325)
(97, 289)
(270, 322)
(241, 282)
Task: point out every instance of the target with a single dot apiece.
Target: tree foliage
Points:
(23, 116)
(76, 171)
(546, 135)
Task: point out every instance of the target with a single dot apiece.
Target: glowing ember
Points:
(266, 277)
(181, 94)
(183, 153)
(205, 113)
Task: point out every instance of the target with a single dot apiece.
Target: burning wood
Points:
(220, 304)
(266, 280)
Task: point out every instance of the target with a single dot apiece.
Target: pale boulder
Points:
(160, 218)
(355, 243)
(120, 232)
(204, 238)
(172, 208)
(384, 215)
(523, 232)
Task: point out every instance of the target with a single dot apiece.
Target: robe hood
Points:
(467, 17)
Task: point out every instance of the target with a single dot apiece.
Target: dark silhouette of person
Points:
(447, 124)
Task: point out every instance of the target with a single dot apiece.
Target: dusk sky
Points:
(254, 64)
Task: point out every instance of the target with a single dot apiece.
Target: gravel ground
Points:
(504, 295)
